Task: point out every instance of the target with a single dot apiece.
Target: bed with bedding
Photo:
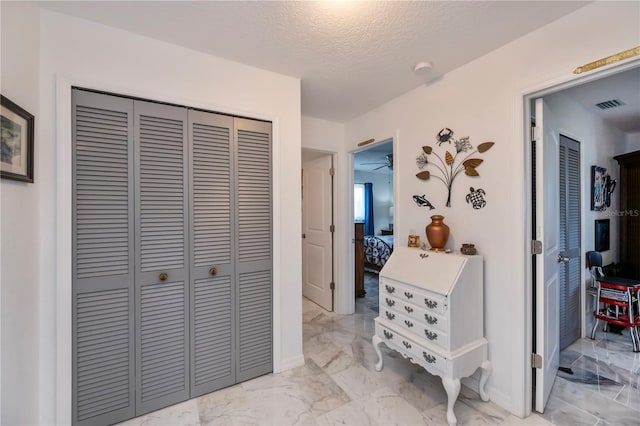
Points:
(377, 250)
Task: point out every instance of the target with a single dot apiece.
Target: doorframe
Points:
(334, 221)
(524, 114)
(351, 297)
(63, 235)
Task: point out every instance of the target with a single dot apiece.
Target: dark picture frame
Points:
(598, 188)
(602, 234)
(16, 142)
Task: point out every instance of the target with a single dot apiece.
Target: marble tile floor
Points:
(338, 385)
(604, 388)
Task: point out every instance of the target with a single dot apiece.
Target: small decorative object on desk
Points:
(414, 241)
(468, 249)
(437, 233)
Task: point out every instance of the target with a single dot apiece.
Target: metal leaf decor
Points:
(470, 171)
(424, 175)
(472, 162)
(485, 146)
(448, 158)
(445, 169)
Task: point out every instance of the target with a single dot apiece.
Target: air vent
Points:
(613, 103)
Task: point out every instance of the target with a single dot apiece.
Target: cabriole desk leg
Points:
(452, 386)
(376, 346)
(486, 371)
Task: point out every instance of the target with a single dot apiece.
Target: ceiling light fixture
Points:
(422, 67)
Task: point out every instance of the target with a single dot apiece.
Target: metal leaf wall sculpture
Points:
(446, 170)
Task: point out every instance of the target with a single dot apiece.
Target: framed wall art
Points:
(16, 142)
(598, 188)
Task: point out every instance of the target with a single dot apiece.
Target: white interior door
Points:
(547, 231)
(317, 253)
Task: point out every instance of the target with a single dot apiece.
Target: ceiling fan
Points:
(388, 163)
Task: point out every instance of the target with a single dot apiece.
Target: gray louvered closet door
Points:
(103, 271)
(254, 258)
(172, 256)
(162, 268)
(212, 252)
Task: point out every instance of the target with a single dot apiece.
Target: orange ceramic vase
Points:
(437, 232)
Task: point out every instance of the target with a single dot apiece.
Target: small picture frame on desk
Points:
(414, 241)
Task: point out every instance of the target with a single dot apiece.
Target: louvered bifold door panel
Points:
(254, 248)
(103, 272)
(570, 242)
(162, 292)
(212, 259)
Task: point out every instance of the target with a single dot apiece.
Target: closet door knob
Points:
(213, 271)
(163, 276)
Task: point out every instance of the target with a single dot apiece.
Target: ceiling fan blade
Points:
(378, 168)
(372, 164)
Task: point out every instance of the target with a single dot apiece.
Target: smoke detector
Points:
(422, 67)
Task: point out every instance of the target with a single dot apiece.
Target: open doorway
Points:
(373, 218)
(597, 379)
(318, 228)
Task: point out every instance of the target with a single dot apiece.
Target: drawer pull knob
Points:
(409, 309)
(387, 334)
(408, 295)
(213, 271)
(390, 315)
(430, 335)
(406, 344)
(389, 288)
(429, 358)
(430, 319)
(390, 302)
(163, 276)
(408, 323)
(431, 304)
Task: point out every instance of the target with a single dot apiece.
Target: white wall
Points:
(484, 100)
(20, 231)
(78, 52)
(382, 197)
(598, 145)
(631, 143)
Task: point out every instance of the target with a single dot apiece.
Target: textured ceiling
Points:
(350, 56)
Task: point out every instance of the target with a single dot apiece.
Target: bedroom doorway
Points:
(318, 229)
(373, 218)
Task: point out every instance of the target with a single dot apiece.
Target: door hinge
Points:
(332, 285)
(536, 361)
(332, 228)
(332, 171)
(536, 247)
(533, 131)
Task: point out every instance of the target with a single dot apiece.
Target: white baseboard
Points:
(498, 398)
(289, 363)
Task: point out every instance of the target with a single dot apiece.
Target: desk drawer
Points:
(405, 344)
(419, 297)
(418, 328)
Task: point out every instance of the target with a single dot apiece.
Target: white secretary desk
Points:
(431, 312)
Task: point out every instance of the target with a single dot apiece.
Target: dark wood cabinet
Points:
(359, 259)
(629, 213)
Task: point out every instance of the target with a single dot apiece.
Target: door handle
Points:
(562, 258)
(213, 271)
(163, 276)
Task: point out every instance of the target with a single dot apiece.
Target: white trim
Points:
(523, 110)
(293, 362)
(64, 84)
(350, 297)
